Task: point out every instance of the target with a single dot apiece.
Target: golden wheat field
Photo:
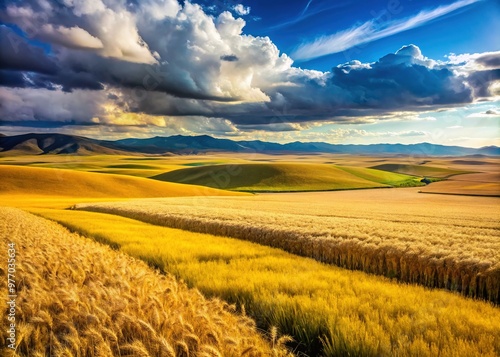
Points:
(329, 311)
(434, 240)
(78, 298)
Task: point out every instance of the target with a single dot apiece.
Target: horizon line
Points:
(243, 140)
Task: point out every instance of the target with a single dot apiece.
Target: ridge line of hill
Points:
(39, 144)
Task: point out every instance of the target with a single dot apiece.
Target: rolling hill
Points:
(18, 180)
(36, 144)
(179, 144)
(284, 177)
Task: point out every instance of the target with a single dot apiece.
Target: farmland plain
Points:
(397, 235)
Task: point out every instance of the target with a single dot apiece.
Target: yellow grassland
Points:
(76, 297)
(34, 181)
(480, 184)
(433, 240)
(353, 313)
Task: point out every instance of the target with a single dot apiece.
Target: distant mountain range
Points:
(179, 144)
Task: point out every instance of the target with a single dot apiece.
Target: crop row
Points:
(451, 253)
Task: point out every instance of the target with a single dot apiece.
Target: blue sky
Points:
(469, 29)
(342, 72)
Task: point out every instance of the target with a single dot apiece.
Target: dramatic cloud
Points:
(370, 31)
(155, 62)
(400, 81)
(405, 78)
(26, 66)
(111, 31)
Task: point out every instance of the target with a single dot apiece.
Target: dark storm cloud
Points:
(263, 116)
(490, 60)
(397, 82)
(24, 65)
(144, 79)
(402, 79)
(15, 79)
(46, 124)
(399, 85)
(17, 54)
(481, 81)
(72, 80)
(12, 79)
(66, 80)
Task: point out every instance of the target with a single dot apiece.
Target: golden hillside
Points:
(56, 182)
